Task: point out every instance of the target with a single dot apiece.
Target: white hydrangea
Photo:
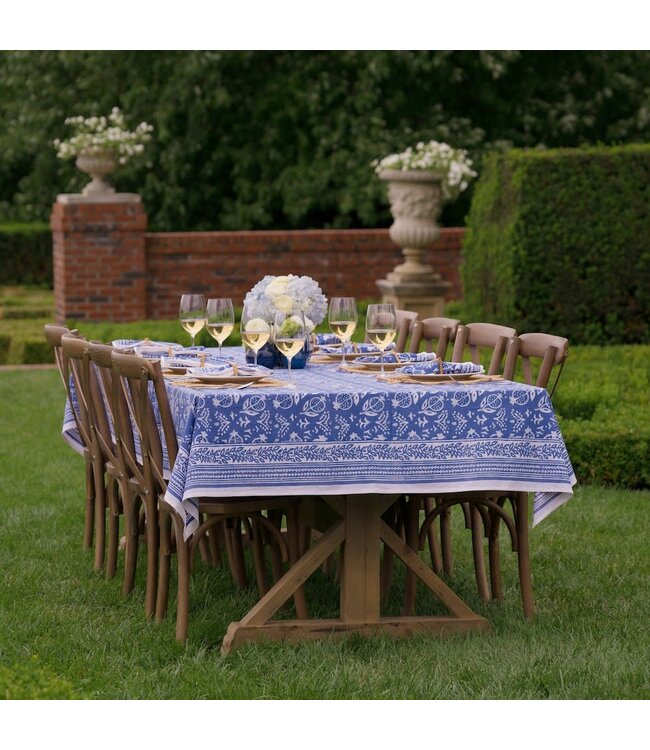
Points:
(96, 134)
(452, 164)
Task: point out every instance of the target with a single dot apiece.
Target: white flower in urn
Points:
(452, 164)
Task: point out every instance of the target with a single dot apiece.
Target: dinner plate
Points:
(234, 379)
(337, 357)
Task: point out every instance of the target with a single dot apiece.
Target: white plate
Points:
(436, 377)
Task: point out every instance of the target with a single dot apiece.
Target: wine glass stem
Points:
(289, 362)
(255, 357)
(219, 348)
(343, 351)
(381, 359)
(192, 335)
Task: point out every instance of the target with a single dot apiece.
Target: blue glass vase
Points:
(299, 360)
(267, 356)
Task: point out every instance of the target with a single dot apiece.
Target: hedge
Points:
(30, 681)
(26, 254)
(559, 241)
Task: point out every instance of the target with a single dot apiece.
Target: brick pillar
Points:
(99, 257)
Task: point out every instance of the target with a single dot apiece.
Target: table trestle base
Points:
(359, 532)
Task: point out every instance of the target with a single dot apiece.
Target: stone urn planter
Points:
(97, 164)
(415, 199)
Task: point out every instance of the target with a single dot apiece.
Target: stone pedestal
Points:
(99, 257)
(415, 203)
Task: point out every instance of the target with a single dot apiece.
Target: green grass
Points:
(67, 631)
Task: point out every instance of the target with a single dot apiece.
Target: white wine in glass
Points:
(289, 331)
(343, 319)
(255, 331)
(381, 327)
(220, 319)
(192, 313)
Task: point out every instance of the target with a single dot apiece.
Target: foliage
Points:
(557, 241)
(452, 164)
(5, 343)
(26, 253)
(283, 139)
(30, 681)
(95, 135)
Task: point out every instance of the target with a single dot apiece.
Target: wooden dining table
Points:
(349, 444)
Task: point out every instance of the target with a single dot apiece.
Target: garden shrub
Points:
(29, 681)
(5, 343)
(37, 351)
(557, 241)
(26, 254)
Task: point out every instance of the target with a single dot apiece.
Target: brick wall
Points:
(99, 260)
(106, 267)
(344, 262)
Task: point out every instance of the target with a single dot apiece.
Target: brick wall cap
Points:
(80, 198)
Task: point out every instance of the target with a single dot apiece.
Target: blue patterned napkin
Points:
(325, 339)
(353, 348)
(399, 357)
(448, 368)
(183, 360)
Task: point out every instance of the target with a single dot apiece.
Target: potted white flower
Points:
(419, 180)
(99, 144)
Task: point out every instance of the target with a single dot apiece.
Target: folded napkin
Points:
(137, 343)
(227, 369)
(399, 357)
(180, 360)
(324, 339)
(350, 348)
(448, 368)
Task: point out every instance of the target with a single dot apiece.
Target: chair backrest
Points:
(135, 375)
(108, 407)
(436, 334)
(75, 372)
(405, 320)
(477, 336)
(551, 350)
(53, 335)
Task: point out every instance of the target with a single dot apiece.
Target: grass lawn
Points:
(65, 631)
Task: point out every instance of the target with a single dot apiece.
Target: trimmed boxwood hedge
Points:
(559, 241)
(26, 254)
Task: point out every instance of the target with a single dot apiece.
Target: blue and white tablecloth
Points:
(336, 432)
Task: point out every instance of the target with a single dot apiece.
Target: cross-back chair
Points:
(435, 333)
(478, 337)
(143, 385)
(405, 321)
(551, 352)
(53, 335)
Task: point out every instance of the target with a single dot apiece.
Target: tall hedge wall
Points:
(559, 241)
(26, 254)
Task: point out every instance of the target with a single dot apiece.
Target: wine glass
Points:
(343, 319)
(255, 331)
(220, 319)
(192, 313)
(289, 330)
(381, 327)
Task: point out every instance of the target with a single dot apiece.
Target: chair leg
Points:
(183, 594)
(293, 539)
(411, 527)
(89, 516)
(153, 549)
(523, 555)
(434, 546)
(113, 539)
(100, 514)
(214, 546)
(132, 541)
(386, 573)
(258, 558)
(276, 556)
(164, 565)
(495, 557)
(445, 542)
(235, 552)
(477, 551)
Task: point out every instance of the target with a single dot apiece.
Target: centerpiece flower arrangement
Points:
(286, 294)
(452, 165)
(100, 143)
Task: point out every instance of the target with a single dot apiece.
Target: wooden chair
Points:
(489, 507)
(53, 335)
(479, 337)
(142, 383)
(436, 333)
(405, 320)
